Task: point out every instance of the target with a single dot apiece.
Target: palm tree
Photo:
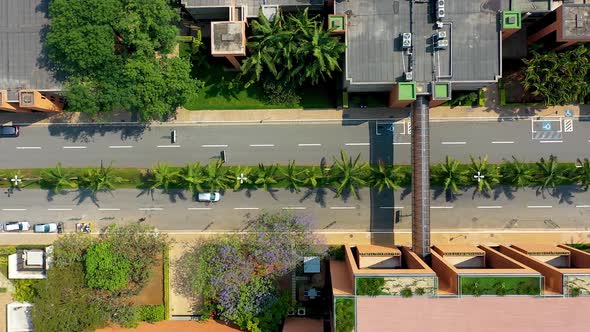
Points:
(449, 175)
(385, 176)
(582, 174)
(239, 176)
(292, 176)
(215, 175)
(99, 179)
(316, 176)
(192, 177)
(162, 176)
(57, 179)
(550, 173)
(487, 176)
(266, 176)
(517, 173)
(348, 174)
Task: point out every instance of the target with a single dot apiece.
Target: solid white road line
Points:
(453, 143)
(120, 146)
(261, 145)
(342, 207)
(401, 143)
(151, 209)
(502, 142)
(74, 147)
(59, 209)
(168, 146)
(583, 206)
(550, 141)
(108, 209)
(14, 209)
(441, 207)
(391, 207)
(199, 208)
(539, 206)
(214, 146)
(490, 207)
(294, 208)
(28, 148)
(309, 144)
(246, 208)
(356, 144)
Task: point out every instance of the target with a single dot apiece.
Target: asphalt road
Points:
(525, 209)
(307, 143)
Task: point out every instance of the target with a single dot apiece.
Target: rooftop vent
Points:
(406, 40)
(579, 21)
(441, 35)
(511, 19)
(227, 37)
(440, 4)
(409, 76)
(440, 13)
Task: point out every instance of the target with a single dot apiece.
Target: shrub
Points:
(345, 315)
(24, 290)
(336, 252)
(406, 292)
(575, 291)
(152, 313)
(127, 316)
(370, 286)
(419, 291)
(106, 268)
(280, 94)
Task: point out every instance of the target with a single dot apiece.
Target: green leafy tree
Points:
(549, 173)
(192, 177)
(517, 173)
(162, 176)
(450, 175)
(266, 176)
(559, 78)
(489, 175)
(348, 174)
(216, 176)
(292, 176)
(57, 179)
(100, 179)
(385, 176)
(70, 249)
(582, 174)
(64, 304)
(106, 268)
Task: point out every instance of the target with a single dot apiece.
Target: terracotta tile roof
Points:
(458, 249)
(298, 324)
(176, 326)
(541, 249)
(477, 314)
(371, 249)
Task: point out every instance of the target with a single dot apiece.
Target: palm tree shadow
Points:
(146, 191)
(320, 195)
(273, 193)
(175, 195)
(85, 194)
(450, 196)
(508, 191)
(51, 193)
(406, 192)
(566, 193)
(483, 193)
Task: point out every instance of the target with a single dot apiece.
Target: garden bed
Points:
(345, 315)
(500, 285)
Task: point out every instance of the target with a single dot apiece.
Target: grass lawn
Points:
(500, 285)
(222, 90)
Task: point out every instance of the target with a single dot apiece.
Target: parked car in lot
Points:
(17, 226)
(208, 197)
(9, 131)
(45, 228)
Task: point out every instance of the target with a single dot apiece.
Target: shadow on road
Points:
(85, 133)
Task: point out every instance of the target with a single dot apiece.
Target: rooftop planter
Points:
(500, 285)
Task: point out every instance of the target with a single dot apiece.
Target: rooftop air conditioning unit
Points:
(442, 43)
(440, 13)
(441, 35)
(406, 40)
(440, 4)
(409, 76)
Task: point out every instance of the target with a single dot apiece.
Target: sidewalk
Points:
(184, 116)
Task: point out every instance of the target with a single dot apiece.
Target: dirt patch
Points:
(153, 292)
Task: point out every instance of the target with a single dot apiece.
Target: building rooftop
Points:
(366, 249)
(251, 6)
(375, 53)
(228, 38)
(528, 5)
(22, 24)
(576, 21)
(18, 317)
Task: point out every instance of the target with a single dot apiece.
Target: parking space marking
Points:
(583, 206)
(391, 207)
(401, 143)
(550, 141)
(246, 208)
(442, 207)
(489, 207)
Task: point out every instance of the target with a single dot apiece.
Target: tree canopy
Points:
(105, 268)
(108, 51)
(559, 78)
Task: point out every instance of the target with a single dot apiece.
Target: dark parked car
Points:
(9, 131)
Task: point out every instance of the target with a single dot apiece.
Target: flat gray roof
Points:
(252, 5)
(576, 21)
(374, 54)
(21, 26)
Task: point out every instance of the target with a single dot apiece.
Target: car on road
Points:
(45, 228)
(9, 131)
(17, 226)
(208, 197)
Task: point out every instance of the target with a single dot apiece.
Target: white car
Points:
(208, 197)
(17, 226)
(45, 228)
